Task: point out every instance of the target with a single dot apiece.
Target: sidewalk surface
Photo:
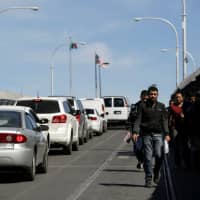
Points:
(121, 180)
(130, 180)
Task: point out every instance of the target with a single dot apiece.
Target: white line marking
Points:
(83, 186)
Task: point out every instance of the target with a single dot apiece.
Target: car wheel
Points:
(104, 127)
(75, 146)
(67, 149)
(81, 139)
(86, 138)
(91, 134)
(32, 170)
(43, 168)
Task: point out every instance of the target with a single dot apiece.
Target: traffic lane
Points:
(120, 180)
(65, 172)
(103, 168)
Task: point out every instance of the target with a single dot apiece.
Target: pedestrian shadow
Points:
(123, 185)
(122, 170)
(125, 153)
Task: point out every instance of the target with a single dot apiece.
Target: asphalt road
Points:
(103, 168)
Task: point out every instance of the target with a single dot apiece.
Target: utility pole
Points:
(184, 27)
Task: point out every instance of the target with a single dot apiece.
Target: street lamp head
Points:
(82, 43)
(164, 50)
(35, 8)
(137, 19)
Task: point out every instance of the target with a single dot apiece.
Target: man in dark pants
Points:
(137, 147)
(152, 122)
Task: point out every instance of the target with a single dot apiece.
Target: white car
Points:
(99, 104)
(117, 109)
(63, 126)
(95, 121)
(22, 144)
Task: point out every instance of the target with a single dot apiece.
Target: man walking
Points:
(131, 121)
(152, 123)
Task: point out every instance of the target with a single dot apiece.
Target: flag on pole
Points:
(104, 64)
(100, 62)
(97, 60)
(73, 45)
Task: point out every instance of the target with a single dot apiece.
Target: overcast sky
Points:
(28, 40)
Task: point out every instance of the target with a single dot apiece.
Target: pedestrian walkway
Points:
(121, 180)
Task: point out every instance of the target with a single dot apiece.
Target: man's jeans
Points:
(152, 147)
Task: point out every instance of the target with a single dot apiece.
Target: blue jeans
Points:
(152, 146)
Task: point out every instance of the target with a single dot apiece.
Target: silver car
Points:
(22, 144)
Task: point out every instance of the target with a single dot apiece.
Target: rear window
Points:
(118, 102)
(89, 111)
(41, 106)
(108, 102)
(10, 119)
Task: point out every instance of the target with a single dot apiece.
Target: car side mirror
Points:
(102, 115)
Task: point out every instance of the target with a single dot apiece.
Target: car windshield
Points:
(10, 119)
(41, 106)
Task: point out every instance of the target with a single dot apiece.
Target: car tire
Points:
(91, 134)
(86, 138)
(75, 146)
(67, 149)
(43, 168)
(81, 139)
(32, 170)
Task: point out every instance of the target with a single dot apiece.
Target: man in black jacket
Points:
(152, 122)
(131, 121)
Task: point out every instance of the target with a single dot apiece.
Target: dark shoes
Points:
(156, 177)
(139, 166)
(148, 183)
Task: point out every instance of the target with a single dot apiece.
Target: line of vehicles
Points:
(32, 126)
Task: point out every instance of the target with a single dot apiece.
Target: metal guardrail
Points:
(169, 188)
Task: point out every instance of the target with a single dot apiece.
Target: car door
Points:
(37, 136)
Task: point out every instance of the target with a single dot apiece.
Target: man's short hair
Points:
(152, 88)
(144, 93)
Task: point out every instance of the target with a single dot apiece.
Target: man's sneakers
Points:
(139, 166)
(156, 177)
(148, 183)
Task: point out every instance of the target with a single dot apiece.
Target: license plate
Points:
(117, 112)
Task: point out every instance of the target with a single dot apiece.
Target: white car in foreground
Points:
(23, 147)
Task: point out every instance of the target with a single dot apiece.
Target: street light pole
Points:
(177, 39)
(70, 59)
(184, 40)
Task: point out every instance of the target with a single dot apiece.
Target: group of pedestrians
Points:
(184, 127)
(152, 125)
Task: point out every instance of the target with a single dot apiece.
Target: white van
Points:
(117, 109)
(98, 104)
